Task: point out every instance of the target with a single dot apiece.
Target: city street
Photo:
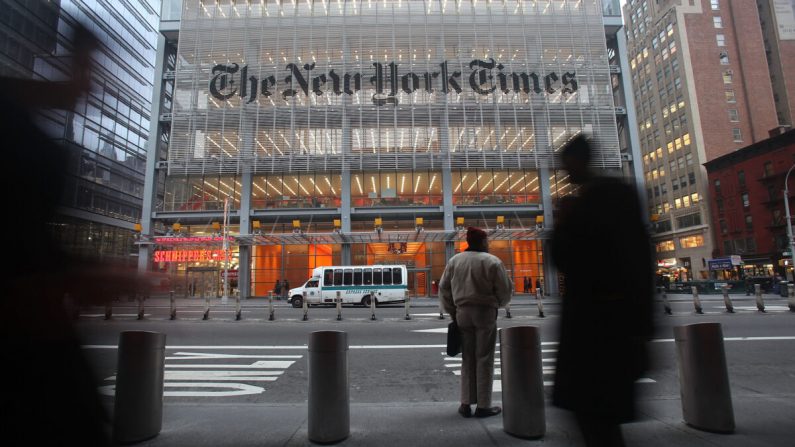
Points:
(245, 382)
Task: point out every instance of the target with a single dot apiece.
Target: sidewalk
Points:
(761, 420)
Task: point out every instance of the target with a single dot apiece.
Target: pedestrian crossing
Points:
(453, 364)
(548, 360)
(200, 374)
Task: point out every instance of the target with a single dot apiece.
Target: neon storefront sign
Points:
(189, 255)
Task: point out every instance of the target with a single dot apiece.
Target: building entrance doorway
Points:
(202, 282)
(419, 281)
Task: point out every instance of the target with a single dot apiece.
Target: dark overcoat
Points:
(602, 248)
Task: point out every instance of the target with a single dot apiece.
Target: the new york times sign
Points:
(485, 77)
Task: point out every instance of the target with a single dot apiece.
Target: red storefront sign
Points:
(189, 255)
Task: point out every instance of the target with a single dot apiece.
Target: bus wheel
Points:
(298, 301)
(366, 301)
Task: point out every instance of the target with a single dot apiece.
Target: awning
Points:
(367, 237)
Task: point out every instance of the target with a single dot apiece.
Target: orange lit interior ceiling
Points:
(267, 268)
(380, 252)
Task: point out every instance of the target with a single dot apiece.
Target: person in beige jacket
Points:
(474, 285)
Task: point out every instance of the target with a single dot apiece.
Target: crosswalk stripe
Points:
(264, 364)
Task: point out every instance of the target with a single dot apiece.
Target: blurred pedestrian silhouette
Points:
(606, 312)
(51, 398)
(473, 286)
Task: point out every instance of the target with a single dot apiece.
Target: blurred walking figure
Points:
(53, 398)
(473, 286)
(285, 288)
(606, 319)
(277, 289)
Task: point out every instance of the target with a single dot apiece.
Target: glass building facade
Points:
(357, 118)
(107, 132)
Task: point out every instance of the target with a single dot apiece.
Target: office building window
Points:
(714, 4)
(665, 246)
(691, 220)
(717, 22)
(768, 169)
(724, 58)
(741, 179)
(691, 177)
(692, 241)
(689, 158)
(730, 97)
(721, 39)
(746, 200)
(723, 227)
(717, 187)
(749, 223)
(733, 115)
(719, 202)
(727, 77)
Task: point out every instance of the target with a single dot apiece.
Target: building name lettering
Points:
(485, 78)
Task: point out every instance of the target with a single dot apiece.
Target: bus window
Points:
(338, 277)
(368, 277)
(397, 276)
(376, 277)
(347, 279)
(328, 277)
(357, 277)
(387, 276)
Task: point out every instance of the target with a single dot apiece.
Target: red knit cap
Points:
(475, 235)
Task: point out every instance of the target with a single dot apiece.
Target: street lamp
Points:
(789, 223)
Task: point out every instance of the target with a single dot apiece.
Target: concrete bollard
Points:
(140, 307)
(173, 305)
(522, 382)
(271, 315)
(305, 305)
(703, 378)
(138, 407)
(238, 310)
(508, 310)
(339, 305)
(539, 303)
(408, 305)
(791, 299)
(760, 302)
(372, 305)
(696, 300)
(441, 309)
(727, 300)
(329, 391)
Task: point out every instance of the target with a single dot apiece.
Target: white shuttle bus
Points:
(356, 284)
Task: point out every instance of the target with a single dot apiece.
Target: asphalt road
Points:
(392, 360)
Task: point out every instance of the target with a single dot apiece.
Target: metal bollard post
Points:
(108, 310)
(173, 305)
(339, 305)
(791, 299)
(138, 407)
(727, 300)
(760, 302)
(140, 307)
(238, 310)
(666, 304)
(306, 307)
(508, 310)
(696, 300)
(206, 306)
(372, 305)
(329, 391)
(522, 382)
(703, 378)
(441, 308)
(271, 315)
(539, 303)
(408, 304)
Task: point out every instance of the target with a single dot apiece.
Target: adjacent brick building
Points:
(747, 205)
(701, 71)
